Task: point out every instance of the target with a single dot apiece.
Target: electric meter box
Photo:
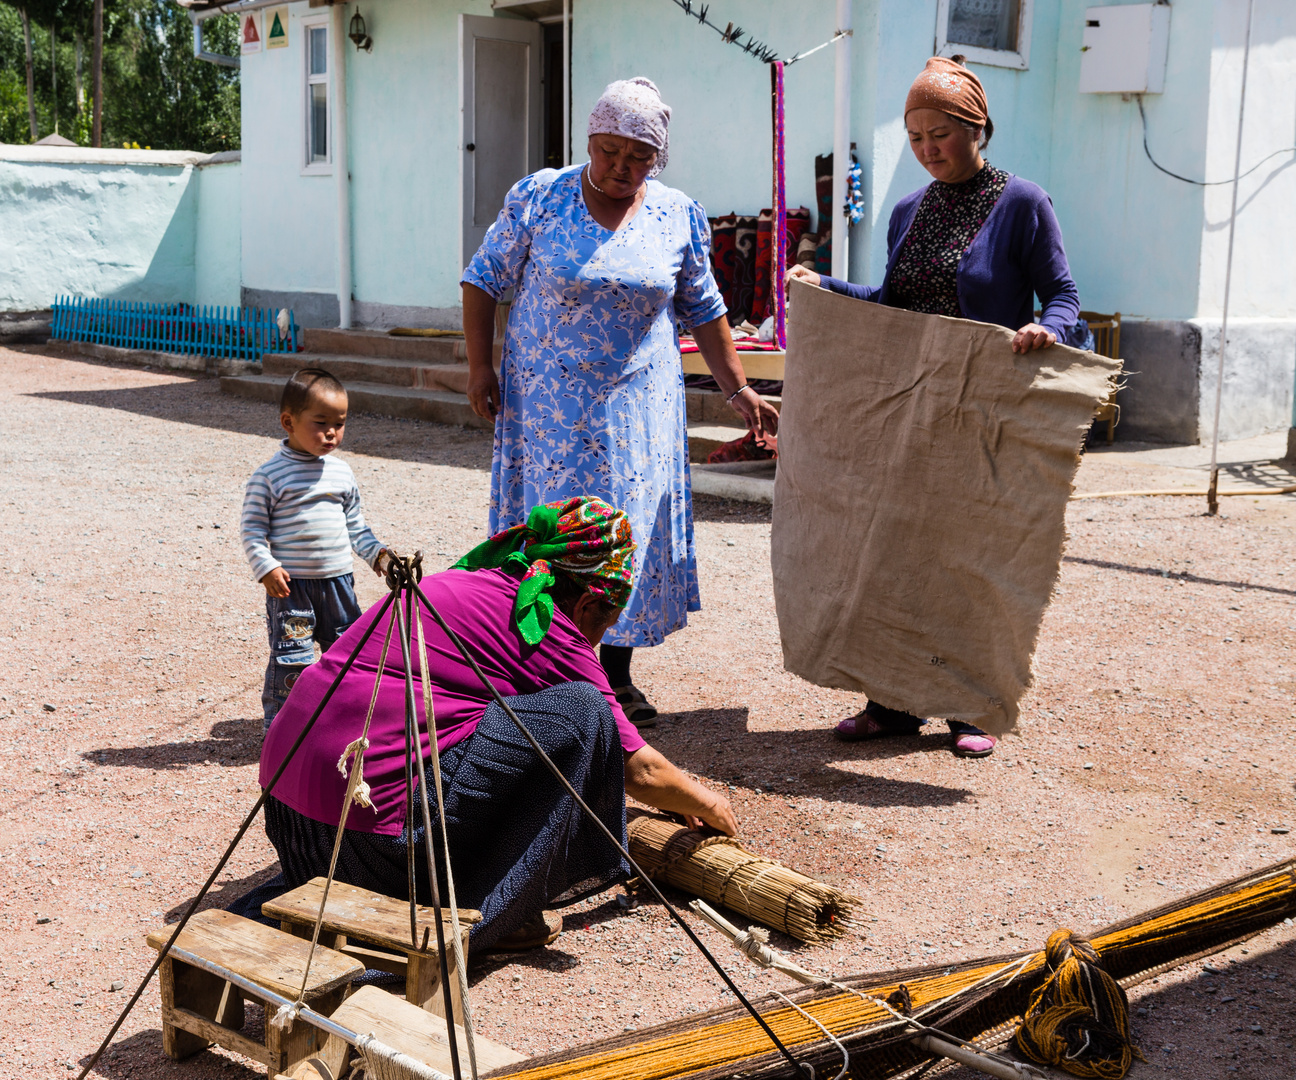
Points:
(1124, 50)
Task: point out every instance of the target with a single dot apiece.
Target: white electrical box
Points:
(1125, 49)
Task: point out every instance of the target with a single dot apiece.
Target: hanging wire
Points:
(1189, 180)
(732, 34)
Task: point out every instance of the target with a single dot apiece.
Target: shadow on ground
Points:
(717, 743)
(232, 743)
(199, 401)
(141, 1055)
(1176, 575)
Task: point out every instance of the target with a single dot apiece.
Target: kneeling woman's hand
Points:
(652, 779)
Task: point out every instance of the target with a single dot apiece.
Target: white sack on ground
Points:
(919, 506)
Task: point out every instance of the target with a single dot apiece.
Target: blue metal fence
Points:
(240, 333)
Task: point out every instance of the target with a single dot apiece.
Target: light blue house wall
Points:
(154, 226)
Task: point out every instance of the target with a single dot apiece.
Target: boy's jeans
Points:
(315, 609)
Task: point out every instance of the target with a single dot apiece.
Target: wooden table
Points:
(200, 1008)
(358, 915)
(759, 364)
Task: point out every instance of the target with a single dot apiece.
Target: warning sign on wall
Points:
(276, 28)
(251, 32)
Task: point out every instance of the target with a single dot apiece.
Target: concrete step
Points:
(447, 350)
(408, 403)
(703, 438)
(709, 407)
(746, 481)
(410, 374)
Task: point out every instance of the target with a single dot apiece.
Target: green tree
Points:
(155, 93)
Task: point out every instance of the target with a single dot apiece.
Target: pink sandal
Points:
(974, 744)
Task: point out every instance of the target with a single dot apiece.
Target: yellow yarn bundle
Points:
(1079, 1019)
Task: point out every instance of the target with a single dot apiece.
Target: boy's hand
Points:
(379, 563)
(276, 582)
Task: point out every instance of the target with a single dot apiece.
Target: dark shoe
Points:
(878, 722)
(638, 709)
(541, 930)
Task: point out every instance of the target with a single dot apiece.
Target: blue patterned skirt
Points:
(518, 841)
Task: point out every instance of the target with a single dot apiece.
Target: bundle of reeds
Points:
(721, 870)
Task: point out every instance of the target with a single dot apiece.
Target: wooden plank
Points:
(768, 364)
(392, 963)
(361, 914)
(212, 1032)
(268, 957)
(419, 1034)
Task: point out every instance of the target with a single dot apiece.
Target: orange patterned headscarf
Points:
(952, 89)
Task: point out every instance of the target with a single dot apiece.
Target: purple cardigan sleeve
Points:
(1050, 275)
(847, 288)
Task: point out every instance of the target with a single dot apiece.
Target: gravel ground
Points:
(1154, 757)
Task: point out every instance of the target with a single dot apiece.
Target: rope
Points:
(827, 1034)
(1079, 1019)
(283, 1019)
(229, 851)
(597, 821)
(456, 935)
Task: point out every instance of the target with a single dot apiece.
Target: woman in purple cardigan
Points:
(977, 243)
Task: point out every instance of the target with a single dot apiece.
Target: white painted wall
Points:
(122, 229)
(217, 235)
(1264, 259)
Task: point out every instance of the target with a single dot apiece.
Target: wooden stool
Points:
(407, 1028)
(357, 915)
(199, 1008)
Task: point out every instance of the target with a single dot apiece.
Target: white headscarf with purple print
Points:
(633, 108)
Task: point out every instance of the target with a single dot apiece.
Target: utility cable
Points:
(1189, 180)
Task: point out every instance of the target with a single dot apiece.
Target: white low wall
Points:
(158, 226)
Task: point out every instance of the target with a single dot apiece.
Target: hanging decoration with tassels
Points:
(778, 262)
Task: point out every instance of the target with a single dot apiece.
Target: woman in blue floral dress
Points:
(608, 266)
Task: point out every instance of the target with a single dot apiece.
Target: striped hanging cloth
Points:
(778, 262)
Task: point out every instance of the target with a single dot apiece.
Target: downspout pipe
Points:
(341, 170)
(202, 54)
(841, 144)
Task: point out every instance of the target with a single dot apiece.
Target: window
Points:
(317, 99)
(985, 31)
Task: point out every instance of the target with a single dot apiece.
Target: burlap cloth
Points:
(923, 476)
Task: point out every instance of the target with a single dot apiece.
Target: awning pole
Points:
(840, 220)
(1212, 500)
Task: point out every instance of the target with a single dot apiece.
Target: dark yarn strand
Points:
(1079, 1019)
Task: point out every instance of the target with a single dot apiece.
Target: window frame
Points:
(1018, 60)
(309, 167)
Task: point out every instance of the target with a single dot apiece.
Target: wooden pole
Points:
(97, 62)
(1212, 492)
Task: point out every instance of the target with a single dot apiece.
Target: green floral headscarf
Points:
(582, 537)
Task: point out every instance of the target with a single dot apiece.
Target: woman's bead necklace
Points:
(605, 195)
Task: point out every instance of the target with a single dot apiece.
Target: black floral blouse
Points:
(944, 226)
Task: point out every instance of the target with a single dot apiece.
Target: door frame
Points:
(471, 27)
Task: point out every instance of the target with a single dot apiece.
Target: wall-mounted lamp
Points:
(359, 33)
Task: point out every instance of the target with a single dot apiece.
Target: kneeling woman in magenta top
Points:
(529, 604)
(976, 243)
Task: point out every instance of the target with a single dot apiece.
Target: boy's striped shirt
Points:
(302, 512)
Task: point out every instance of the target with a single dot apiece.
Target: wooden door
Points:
(501, 61)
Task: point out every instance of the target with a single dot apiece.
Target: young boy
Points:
(301, 521)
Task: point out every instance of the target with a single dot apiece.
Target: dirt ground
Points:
(1155, 753)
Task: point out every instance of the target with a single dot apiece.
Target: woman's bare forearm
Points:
(652, 779)
(715, 343)
(479, 325)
